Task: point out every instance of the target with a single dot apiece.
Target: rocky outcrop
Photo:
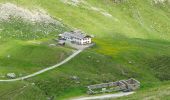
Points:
(9, 10)
(119, 1)
(161, 1)
(73, 2)
(20, 23)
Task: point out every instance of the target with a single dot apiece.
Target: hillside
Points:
(158, 93)
(135, 19)
(132, 39)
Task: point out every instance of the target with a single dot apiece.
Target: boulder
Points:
(11, 75)
(74, 77)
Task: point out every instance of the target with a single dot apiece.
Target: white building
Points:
(77, 37)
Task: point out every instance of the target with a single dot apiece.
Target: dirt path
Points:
(107, 96)
(46, 69)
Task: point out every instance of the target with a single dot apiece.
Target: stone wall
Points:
(122, 85)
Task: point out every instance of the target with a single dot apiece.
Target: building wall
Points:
(86, 41)
(79, 41)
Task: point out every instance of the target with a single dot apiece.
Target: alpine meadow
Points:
(130, 39)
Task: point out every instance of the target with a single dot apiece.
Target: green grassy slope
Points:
(160, 92)
(25, 46)
(17, 28)
(92, 68)
(132, 43)
(20, 91)
(27, 57)
(139, 19)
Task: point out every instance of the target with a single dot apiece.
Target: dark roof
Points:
(75, 34)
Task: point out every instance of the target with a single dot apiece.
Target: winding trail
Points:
(107, 96)
(101, 97)
(46, 69)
